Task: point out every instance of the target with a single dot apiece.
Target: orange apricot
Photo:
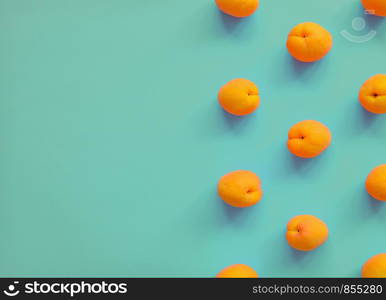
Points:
(306, 232)
(237, 271)
(375, 267)
(309, 42)
(375, 7)
(238, 8)
(372, 94)
(308, 138)
(240, 188)
(239, 97)
(376, 183)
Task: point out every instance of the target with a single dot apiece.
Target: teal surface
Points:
(112, 141)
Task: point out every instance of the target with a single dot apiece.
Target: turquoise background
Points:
(112, 141)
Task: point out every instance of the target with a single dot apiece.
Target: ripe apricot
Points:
(239, 97)
(308, 138)
(375, 7)
(375, 267)
(240, 188)
(238, 8)
(376, 183)
(237, 271)
(372, 94)
(309, 42)
(306, 232)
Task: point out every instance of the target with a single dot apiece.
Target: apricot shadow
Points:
(303, 165)
(297, 255)
(373, 204)
(300, 69)
(367, 118)
(236, 214)
(216, 121)
(231, 24)
(361, 205)
(234, 122)
(294, 255)
(359, 121)
(372, 21)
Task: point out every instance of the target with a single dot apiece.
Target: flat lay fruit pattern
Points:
(307, 42)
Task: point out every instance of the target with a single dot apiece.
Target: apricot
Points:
(309, 42)
(238, 8)
(240, 188)
(239, 97)
(376, 183)
(375, 7)
(237, 271)
(375, 267)
(372, 94)
(306, 232)
(308, 138)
